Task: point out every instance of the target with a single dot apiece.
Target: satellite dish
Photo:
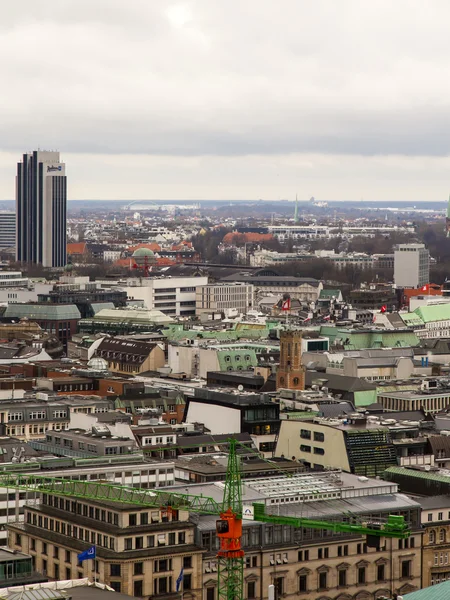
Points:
(240, 388)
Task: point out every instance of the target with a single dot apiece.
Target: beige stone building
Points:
(140, 551)
(436, 539)
(129, 357)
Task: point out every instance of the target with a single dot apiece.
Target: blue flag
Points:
(180, 578)
(87, 554)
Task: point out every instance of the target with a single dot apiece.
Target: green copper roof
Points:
(417, 474)
(353, 339)
(47, 311)
(328, 294)
(435, 312)
(441, 591)
(236, 360)
(412, 320)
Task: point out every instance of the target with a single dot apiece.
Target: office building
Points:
(411, 265)
(139, 551)
(7, 229)
(223, 298)
(142, 551)
(41, 199)
(174, 296)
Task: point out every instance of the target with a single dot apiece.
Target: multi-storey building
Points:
(353, 444)
(127, 356)
(170, 295)
(436, 539)
(220, 297)
(411, 265)
(41, 204)
(29, 419)
(129, 470)
(139, 551)
(7, 229)
(319, 564)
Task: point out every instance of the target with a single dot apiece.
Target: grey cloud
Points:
(199, 77)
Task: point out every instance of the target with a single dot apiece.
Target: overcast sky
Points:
(241, 99)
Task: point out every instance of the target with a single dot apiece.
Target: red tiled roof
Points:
(76, 248)
(152, 246)
(242, 238)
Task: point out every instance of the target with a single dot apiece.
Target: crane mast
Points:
(230, 563)
(228, 527)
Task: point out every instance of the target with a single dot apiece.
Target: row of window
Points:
(306, 435)
(442, 536)
(304, 448)
(92, 537)
(35, 429)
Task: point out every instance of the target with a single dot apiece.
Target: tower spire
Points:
(296, 209)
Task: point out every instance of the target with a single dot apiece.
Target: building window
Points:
(187, 581)
(187, 562)
(278, 583)
(442, 536)
(319, 437)
(114, 570)
(115, 586)
(305, 434)
(381, 575)
(138, 588)
(323, 581)
(251, 589)
(162, 565)
(406, 568)
(37, 414)
(342, 577)
(432, 536)
(162, 585)
(361, 575)
(210, 593)
(132, 520)
(440, 516)
(139, 568)
(128, 543)
(303, 583)
(303, 555)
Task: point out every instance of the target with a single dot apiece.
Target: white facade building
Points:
(133, 474)
(175, 296)
(411, 266)
(222, 297)
(7, 229)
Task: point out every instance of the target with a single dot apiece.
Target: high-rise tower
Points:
(447, 219)
(41, 209)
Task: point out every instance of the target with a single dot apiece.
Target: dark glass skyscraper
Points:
(41, 209)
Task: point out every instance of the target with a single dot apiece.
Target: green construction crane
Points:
(231, 511)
